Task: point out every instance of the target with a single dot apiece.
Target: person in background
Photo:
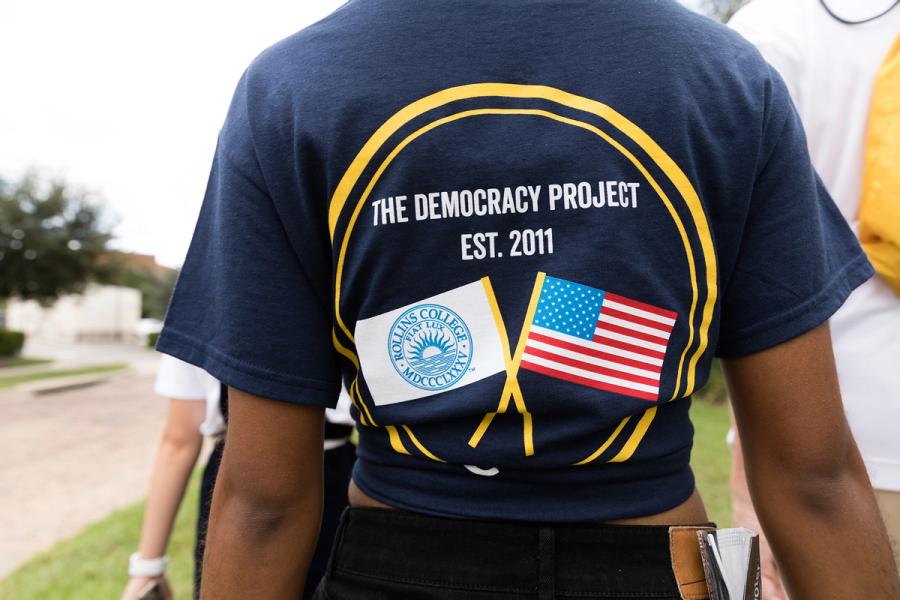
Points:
(197, 408)
(837, 58)
(194, 412)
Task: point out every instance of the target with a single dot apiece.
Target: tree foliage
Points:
(50, 238)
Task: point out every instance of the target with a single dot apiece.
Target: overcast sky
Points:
(126, 99)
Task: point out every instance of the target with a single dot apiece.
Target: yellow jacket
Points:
(879, 211)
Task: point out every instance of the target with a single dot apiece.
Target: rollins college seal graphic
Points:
(430, 346)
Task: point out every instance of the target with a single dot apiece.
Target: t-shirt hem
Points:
(681, 487)
(801, 318)
(233, 372)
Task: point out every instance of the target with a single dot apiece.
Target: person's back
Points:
(519, 231)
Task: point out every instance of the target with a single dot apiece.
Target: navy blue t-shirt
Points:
(518, 231)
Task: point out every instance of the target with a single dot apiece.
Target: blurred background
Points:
(109, 113)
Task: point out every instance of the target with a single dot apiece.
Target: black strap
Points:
(335, 431)
(223, 402)
(841, 19)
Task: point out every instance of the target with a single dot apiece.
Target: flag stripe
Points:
(564, 361)
(641, 306)
(651, 365)
(645, 356)
(585, 374)
(638, 312)
(656, 334)
(632, 318)
(630, 347)
(628, 391)
(622, 334)
(637, 357)
(589, 362)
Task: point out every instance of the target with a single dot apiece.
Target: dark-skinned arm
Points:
(806, 476)
(267, 505)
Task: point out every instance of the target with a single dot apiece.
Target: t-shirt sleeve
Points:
(250, 306)
(798, 260)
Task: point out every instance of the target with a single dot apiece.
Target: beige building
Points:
(101, 313)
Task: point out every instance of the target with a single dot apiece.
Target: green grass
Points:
(93, 565)
(711, 459)
(14, 380)
(19, 361)
(714, 390)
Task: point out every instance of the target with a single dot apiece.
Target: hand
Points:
(137, 584)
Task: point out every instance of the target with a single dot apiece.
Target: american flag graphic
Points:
(598, 339)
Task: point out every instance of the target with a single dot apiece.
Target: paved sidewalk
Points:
(76, 356)
(68, 459)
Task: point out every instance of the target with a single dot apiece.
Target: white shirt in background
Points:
(182, 381)
(830, 70)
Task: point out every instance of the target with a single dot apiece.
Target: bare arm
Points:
(178, 451)
(267, 505)
(805, 473)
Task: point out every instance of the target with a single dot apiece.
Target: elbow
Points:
(818, 482)
(182, 442)
(822, 494)
(256, 521)
(260, 512)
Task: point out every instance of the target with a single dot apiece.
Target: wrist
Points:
(147, 567)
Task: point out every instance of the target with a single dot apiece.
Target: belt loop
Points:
(338, 541)
(687, 564)
(546, 562)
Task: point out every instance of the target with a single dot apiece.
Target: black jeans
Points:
(396, 555)
(207, 485)
(338, 467)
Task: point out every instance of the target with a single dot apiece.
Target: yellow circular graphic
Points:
(518, 91)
